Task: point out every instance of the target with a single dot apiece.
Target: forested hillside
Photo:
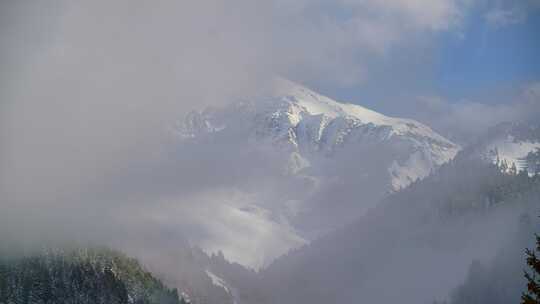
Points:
(417, 245)
(80, 276)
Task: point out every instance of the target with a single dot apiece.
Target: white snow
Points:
(509, 150)
(316, 104)
(217, 281)
(319, 123)
(308, 127)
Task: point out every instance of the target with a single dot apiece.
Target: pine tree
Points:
(504, 166)
(513, 169)
(97, 276)
(3, 284)
(183, 301)
(532, 295)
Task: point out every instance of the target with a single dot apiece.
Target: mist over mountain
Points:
(512, 145)
(329, 153)
(420, 244)
(263, 152)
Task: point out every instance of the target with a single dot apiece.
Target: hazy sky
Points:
(382, 54)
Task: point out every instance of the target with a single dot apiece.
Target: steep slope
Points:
(318, 165)
(417, 245)
(308, 123)
(512, 146)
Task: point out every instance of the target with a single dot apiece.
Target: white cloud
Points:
(507, 13)
(498, 17)
(334, 41)
(92, 85)
(103, 78)
(420, 14)
(464, 120)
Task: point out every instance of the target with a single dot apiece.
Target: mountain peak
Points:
(323, 146)
(306, 101)
(315, 103)
(308, 122)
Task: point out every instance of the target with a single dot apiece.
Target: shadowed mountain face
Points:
(422, 244)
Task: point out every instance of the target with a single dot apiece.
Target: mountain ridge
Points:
(301, 120)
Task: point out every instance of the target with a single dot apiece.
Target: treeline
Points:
(464, 185)
(436, 218)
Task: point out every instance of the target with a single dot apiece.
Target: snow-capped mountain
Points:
(310, 125)
(511, 145)
(329, 161)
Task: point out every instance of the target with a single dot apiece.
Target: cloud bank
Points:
(466, 120)
(89, 89)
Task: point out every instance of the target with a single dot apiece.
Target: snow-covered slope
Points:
(509, 144)
(307, 123)
(323, 164)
